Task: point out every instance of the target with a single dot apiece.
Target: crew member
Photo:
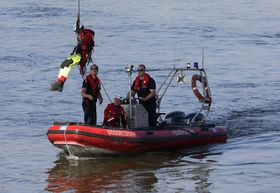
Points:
(80, 55)
(90, 93)
(114, 114)
(145, 87)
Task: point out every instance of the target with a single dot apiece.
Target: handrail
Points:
(205, 107)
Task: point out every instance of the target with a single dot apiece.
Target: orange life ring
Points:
(196, 92)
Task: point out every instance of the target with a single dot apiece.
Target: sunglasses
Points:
(94, 69)
(139, 70)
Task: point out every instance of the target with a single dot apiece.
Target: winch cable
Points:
(78, 16)
(78, 27)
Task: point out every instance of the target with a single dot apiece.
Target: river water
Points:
(241, 41)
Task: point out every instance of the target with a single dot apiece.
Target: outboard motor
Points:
(175, 118)
(190, 117)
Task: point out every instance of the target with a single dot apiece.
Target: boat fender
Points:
(196, 92)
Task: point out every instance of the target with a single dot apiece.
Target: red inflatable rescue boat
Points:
(175, 131)
(80, 139)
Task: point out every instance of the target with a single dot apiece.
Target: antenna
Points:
(202, 62)
(129, 69)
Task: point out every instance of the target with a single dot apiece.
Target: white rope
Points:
(65, 139)
(104, 89)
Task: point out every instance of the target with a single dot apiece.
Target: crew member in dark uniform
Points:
(145, 87)
(90, 93)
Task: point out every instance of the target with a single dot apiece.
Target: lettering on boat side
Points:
(121, 133)
(184, 132)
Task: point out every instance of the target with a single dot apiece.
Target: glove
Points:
(125, 101)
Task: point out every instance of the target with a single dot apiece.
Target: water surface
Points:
(241, 40)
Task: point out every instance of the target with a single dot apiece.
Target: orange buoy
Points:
(196, 92)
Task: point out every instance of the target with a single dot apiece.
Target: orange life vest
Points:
(95, 84)
(145, 82)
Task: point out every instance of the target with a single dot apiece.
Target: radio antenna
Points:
(202, 62)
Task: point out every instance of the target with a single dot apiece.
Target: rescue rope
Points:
(104, 89)
(102, 85)
(65, 139)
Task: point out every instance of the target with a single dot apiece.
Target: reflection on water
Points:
(151, 172)
(104, 174)
(200, 176)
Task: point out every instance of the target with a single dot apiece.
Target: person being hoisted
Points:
(80, 55)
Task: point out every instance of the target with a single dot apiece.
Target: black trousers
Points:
(89, 108)
(151, 108)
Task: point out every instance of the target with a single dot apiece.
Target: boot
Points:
(57, 86)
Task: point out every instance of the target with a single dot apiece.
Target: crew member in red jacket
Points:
(90, 93)
(80, 55)
(114, 114)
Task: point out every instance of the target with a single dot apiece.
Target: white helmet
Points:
(117, 96)
(75, 27)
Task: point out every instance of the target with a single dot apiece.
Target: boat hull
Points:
(87, 140)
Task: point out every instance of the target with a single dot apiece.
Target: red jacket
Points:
(113, 115)
(86, 40)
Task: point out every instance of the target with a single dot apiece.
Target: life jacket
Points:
(145, 82)
(95, 85)
(86, 39)
(113, 115)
